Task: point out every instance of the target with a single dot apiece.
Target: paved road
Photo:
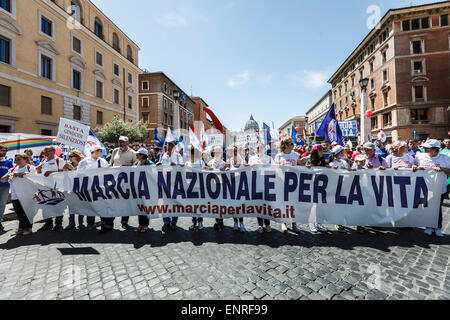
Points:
(384, 264)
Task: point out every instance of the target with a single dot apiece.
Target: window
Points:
(76, 113)
(76, 79)
(130, 102)
(385, 75)
(417, 47)
(374, 121)
(5, 128)
(165, 118)
(165, 88)
(5, 96)
(406, 25)
(372, 103)
(145, 117)
(371, 66)
(171, 106)
(75, 10)
(419, 114)
(145, 85)
(425, 23)
(99, 89)
(387, 119)
(6, 5)
(444, 20)
(46, 67)
(129, 54)
(171, 120)
(384, 56)
(46, 105)
(98, 28)
(46, 26)
(77, 45)
(386, 98)
(115, 42)
(130, 78)
(99, 117)
(46, 132)
(98, 58)
(165, 104)
(5, 50)
(372, 84)
(145, 102)
(418, 67)
(116, 96)
(418, 91)
(116, 69)
(415, 24)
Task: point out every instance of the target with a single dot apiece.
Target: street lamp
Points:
(365, 122)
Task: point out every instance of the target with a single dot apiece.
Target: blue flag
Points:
(330, 129)
(158, 140)
(268, 136)
(296, 138)
(93, 140)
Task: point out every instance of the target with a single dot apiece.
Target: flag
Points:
(93, 140)
(172, 137)
(330, 129)
(382, 136)
(193, 139)
(267, 131)
(275, 135)
(158, 140)
(215, 120)
(368, 114)
(203, 137)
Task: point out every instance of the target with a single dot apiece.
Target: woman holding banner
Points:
(75, 157)
(287, 157)
(317, 159)
(232, 164)
(21, 169)
(261, 158)
(217, 163)
(399, 157)
(431, 159)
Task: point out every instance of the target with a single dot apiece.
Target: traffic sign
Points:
(414, 132)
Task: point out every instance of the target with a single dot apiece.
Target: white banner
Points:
(72, 134)
(283, 194)
(214, 140)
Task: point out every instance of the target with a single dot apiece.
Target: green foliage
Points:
(111, 131)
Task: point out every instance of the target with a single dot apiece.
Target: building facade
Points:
(318, 113)
(406, 60)
(63, 58)
(163, 104)
(200, 115)
(300, 122)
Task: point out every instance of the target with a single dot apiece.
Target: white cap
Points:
(122, 138)
(334, 144)
(432, 144)
(95, 148)
(337, 149)
(360, 157)
(142, 151)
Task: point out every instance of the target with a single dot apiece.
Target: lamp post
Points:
(365, 122)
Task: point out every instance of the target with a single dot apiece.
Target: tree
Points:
(112, 131)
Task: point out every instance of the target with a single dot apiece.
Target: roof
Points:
(297, 118)
(376, 29)
(251, 124)
(164, 75)
(198, 98)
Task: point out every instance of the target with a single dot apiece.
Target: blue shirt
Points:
(5, 165)
(381, 152)
(326, 155)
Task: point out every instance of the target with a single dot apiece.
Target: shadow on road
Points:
(381, 239)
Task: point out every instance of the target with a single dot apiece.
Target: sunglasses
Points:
(290, 144)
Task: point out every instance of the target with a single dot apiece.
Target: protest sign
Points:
(282, 194)
(213, 140)
(72, 134)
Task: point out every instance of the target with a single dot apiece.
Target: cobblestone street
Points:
(384, 264)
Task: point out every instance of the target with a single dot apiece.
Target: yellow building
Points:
(63, 58)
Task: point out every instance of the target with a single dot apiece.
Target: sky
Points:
(270, 59)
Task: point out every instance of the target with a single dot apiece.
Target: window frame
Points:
(51, 105)
(73, 112)
(118, 65)
(81, 54)
(48, 54)
(53, 36)
(424, 70)
(148, 102)
(98, 79)
(13, 12)
(95, 59)
(77, 69)
(114, 95)
(422, 46)
(148, 85)
(9, 96)
(129, 76)
(97, 117)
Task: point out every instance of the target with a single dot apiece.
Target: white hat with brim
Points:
(432, 144)
(96, 148)
(360, 157)
(337, 149)
(142, 151)
(122, 138)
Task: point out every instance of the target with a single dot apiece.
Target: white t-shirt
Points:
(216, 165)
(236, 165)
(198, 164)
(55, 165)
(28, 168)
(90, 163)
(284, 159)
(405, 161)
(441, 160)
(127, 158)
(176, 158)
(265, 159)
(340, 164)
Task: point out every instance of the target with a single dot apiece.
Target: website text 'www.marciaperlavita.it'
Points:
(219, 210)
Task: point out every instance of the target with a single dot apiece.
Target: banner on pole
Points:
(214, 140)
(295, 194)
(72, 134)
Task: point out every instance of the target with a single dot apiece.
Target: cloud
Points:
(264, 78)
(311, 79)
(239, 80)
(180, 17)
